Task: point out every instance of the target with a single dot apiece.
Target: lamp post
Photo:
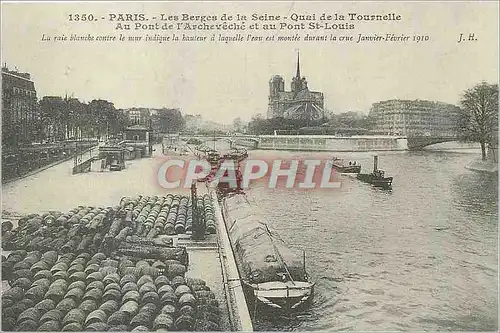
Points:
(76, 151)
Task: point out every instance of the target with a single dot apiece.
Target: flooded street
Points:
(422, 257)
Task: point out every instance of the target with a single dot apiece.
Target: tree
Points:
(478, 116)
(78, 118)
(237, 124)
(348, 119)
(257, 116)
(52, 109)
(259, 126)
(118, 122)
(100, 111)
(365, 122)
(171, 120)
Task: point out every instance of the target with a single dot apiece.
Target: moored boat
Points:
(345, 167)
(213, 157)
(226, 185)
(272, 273)
(377, 177)
(236, 154)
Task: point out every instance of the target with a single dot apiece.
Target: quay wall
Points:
(332, 143)
(248, 143)
(13, 172)
(238, 309)
(27, 160)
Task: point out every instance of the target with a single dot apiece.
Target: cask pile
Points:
(106, 269)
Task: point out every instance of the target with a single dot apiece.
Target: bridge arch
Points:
(420, 142)
(242, 140)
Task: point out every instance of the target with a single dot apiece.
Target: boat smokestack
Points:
(375, 163)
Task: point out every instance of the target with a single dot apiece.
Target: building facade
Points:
(414, 118)
(138, 116)
(137, 133)
(140, 138)
(20, 113)
(298, 103)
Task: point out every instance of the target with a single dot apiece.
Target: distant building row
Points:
(402, 117)
(194, 123)
(414, 118)
(20, 113)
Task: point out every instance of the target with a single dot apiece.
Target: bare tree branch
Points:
(479, 116)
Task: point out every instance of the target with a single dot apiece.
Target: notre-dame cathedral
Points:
(299, 103)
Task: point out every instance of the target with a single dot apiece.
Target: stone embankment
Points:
(483, 166)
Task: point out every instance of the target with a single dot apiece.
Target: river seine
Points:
(422, 257)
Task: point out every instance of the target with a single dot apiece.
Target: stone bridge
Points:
(414, 143)
(252, 141)
(420, 142)
(249, 141)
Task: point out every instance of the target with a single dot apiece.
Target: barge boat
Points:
(272, 273)
(377, 177)
(345, 167)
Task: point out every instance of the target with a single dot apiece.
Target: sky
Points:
(222, 81)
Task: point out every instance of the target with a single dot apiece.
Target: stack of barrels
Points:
(91, 229)
(81, 229)
(180, 225)
(77, 292)
(209, 214)
(169, 215)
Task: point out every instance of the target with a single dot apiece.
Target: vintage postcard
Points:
(250, 166)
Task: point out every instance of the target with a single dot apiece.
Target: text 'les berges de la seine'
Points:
(255, 21)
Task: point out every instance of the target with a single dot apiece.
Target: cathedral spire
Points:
(298, 66)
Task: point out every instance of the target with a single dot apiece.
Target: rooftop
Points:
(6, 70)
(138, 128)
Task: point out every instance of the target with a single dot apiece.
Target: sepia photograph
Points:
(249, 166)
